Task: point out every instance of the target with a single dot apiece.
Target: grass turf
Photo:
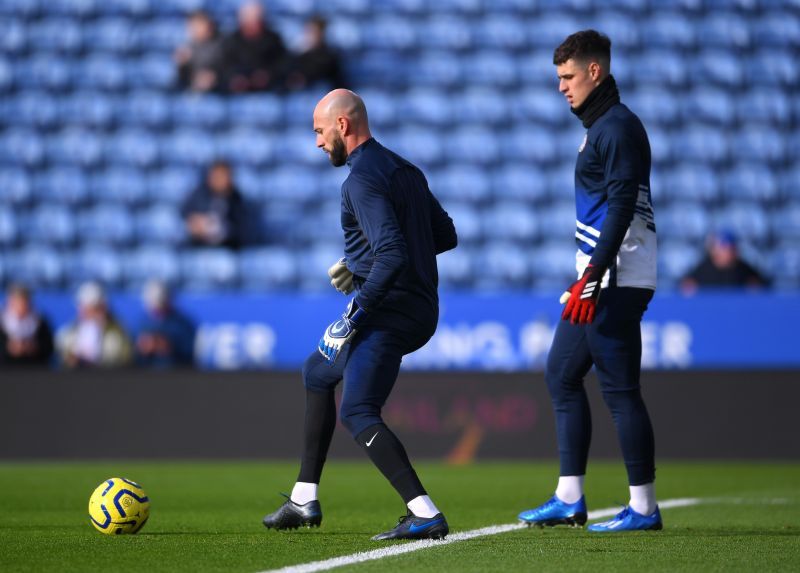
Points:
(207, 517)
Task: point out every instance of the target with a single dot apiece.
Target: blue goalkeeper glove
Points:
(341, 332)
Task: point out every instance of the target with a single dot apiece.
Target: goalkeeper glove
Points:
(582, 296)
(341, 277)
(341, 332)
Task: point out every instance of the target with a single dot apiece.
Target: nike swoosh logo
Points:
(417, 528)
(369, 443)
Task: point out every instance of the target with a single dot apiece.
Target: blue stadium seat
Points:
(161, 34)
(503, 265)
(8, 226)
(105, 72)
(623, 30)
(445, 33)
(568, 141)
(172, 184)
(759, 144)
(96, 263)
(251, 181)
(62, 184)
(520, 181)
(36, 266)
(675, 260)
(154, 71)
(119, 185)
(270, 268)
(425, 105)
(468, 221)
(456, 268)
(290, 183)
(708, 105)
(557, 221)
(43, 71)
(247, 146)
(21, 147)
(772, 67)
(700, 143)
(785, 221)
(502, 31)
(535, 68)
(13, 34)
(780, 29)
(322, 223)
(260, 110)
(94, 109)
(381, 105)
(345, 33)
(115, 35)
(151, 262)
(660, 67)
(278, 223)
(691, 182)
(313, 264)
(720, 67)
(441, 69)
(542, 105)
(160, 223)
(548, 30)
(760, 105)
(6, 74)
(683, 221)
(31, 108)
(195, 109)
(419, 144)
(389, 32)
(460, 182)
(74, 8)
(386, 68)
(530, 143)
(490, 68)
(61, 35)
(133, 147)
(299, 147)
(671, 30)
(554, 267)
(50, 223)
(654, 106)
(75, 146)
(209, 269)
(747, 219)
(188, 146)
(723, 30)
(145, 108)
(510, 221)
(790, 182)
(475, 144)
(750, 182)
(660, 145)
(560, 181)
(106, 223)
(16, 185)
(785, 265)
(485, 105)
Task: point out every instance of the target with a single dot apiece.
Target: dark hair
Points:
(318, 21)
(584, 45)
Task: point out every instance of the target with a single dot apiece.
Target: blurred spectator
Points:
(254, 53)
(25, 337)
(95, 338)
(166, 336)
(318, 62)
(215, 212)
(200, 61)
(722, 267)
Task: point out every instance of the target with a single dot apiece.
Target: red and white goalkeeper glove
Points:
(582, 296)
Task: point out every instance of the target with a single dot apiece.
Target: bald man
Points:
(393, 229)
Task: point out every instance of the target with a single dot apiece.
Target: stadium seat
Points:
(785, 221)
(113, 34)
(145, 108)
(106, 223)
(535, 68)
(96, 263)
(747, 219)
(683, 221)
(520, 181)
(291, 184)
(123, 185)
(151, 262)
(468, 221)
(104, 72)
(557, 221)
(660, 67)
(772, 67)
(790, 182)
(154, 71)
(36, 266)
(548, 30)
(390, 32)
(385, 68)
(429, 106)
(52, 224)
(541, 105)
(299, 147)
(504, 32)
(381, 105)
(675, 260)
(445, 33)
(460, 182)
(278, 223)
(8, 226)
(246, 146)
(209, 269)
(160, 223)
(31, 108)
(476, 145)
(490, 68)
(749, 181)
(345, 33)
(511, 221)
(13, 34)
(785, 265)
(259, 110)
(554, 264)
(760, 105)
(194, 109)
(708, 105)
(691, 182)
(42, 71)
(161, 34)
(759, 144)
(16, 186)
(74, 8)
(419, 144)
(313, 264)
(503, 265)
(721, 29)
(660, 145)
(654, 106)
(720, 67)
(622, 29)
(456, 270)
(670, 30)
(700, 143)
(269, 268)
(75, 146)
(779, 29)
(322, 224)
(88, 108)
(188, 147)
(560, 181)
(172, 184)
(486, 105)
(61, 184)
(134, 147)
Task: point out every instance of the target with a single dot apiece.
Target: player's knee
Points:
(358, 417)
(312, 374)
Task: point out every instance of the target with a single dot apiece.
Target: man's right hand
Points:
(341, 277)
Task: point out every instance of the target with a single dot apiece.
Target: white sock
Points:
(304, 492)
(422, 506)
(643, 498)
(570, 488)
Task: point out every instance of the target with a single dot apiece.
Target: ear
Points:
(595, 71)
(343, 125)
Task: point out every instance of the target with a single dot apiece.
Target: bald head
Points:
(341, 124)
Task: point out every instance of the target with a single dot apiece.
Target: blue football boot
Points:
(629, 520)
(412, 527)
(556, 512)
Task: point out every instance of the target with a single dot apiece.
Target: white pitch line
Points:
(412, 546)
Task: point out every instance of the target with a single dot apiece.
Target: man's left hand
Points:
(341, 332)
(582, 296)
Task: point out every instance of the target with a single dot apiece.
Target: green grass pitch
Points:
(207, 517)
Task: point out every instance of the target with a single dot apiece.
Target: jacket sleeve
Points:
(444, 231)
(375, 214)
(622, 167)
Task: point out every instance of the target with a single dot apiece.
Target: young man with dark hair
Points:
(616, 263)
(393, 229)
